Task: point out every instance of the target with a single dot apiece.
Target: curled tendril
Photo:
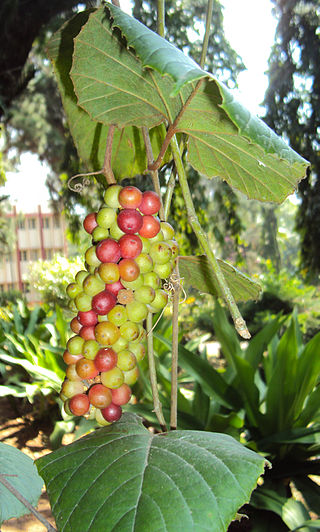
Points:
(171, 286)
(85, 182)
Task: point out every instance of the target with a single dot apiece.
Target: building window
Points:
(21, 224)
(32, 223)
(23, 255)
(46, 222)
(34, 254)
(9, 257)
(48, 253)
(56, 221)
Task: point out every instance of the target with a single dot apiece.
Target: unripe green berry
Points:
(167, 230)
(91, 257)
(83, 301)
(73, 289)
(106, 216)
(144, 262)
(126, 360)
(111, 196)
(75, 345)
(144, 294)
(137, 311)
(99, 233)
(163, 270)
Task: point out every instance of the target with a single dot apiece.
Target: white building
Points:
(39, 235)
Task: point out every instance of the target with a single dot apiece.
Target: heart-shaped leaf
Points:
(124, 477)
(197, 272)
(116, 85)
(128, 154)
(20, 471)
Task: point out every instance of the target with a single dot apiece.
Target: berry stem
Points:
(26, 503)
(153, 375)
(175, 279)
(239, 323)
(154, 173)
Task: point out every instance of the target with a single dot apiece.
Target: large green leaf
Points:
(157, 83)
(20, 471)
(197, 272)
(128, 155)
(124, 477)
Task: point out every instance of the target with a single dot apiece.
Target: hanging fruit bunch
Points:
(131, 255)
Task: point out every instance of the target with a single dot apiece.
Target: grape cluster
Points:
(132, 253)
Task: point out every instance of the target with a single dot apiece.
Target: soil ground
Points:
(20, 429)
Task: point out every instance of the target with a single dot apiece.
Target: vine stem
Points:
(107, 169)
(207, 33)
(154, 173)
(175, 279)
(153, 375)
(160, 17)
(169, 193)
(239, 323)
(26, 503)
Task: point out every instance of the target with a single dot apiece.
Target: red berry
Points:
(103, 302)
(129, 221)
(71, 359)
(129, 269)
(86, 369)
(87, 318)
(121, 395)
(79, 404)
(106, 359)
(150, 203)
(130, 197)
(150, 226)
(100, 396)
(108, 250)
(130, 246)
(87, 332)
(75, 325)
(112, 412)
(90, 222)
(115, 287)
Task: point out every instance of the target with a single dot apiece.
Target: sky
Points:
(249, 27)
